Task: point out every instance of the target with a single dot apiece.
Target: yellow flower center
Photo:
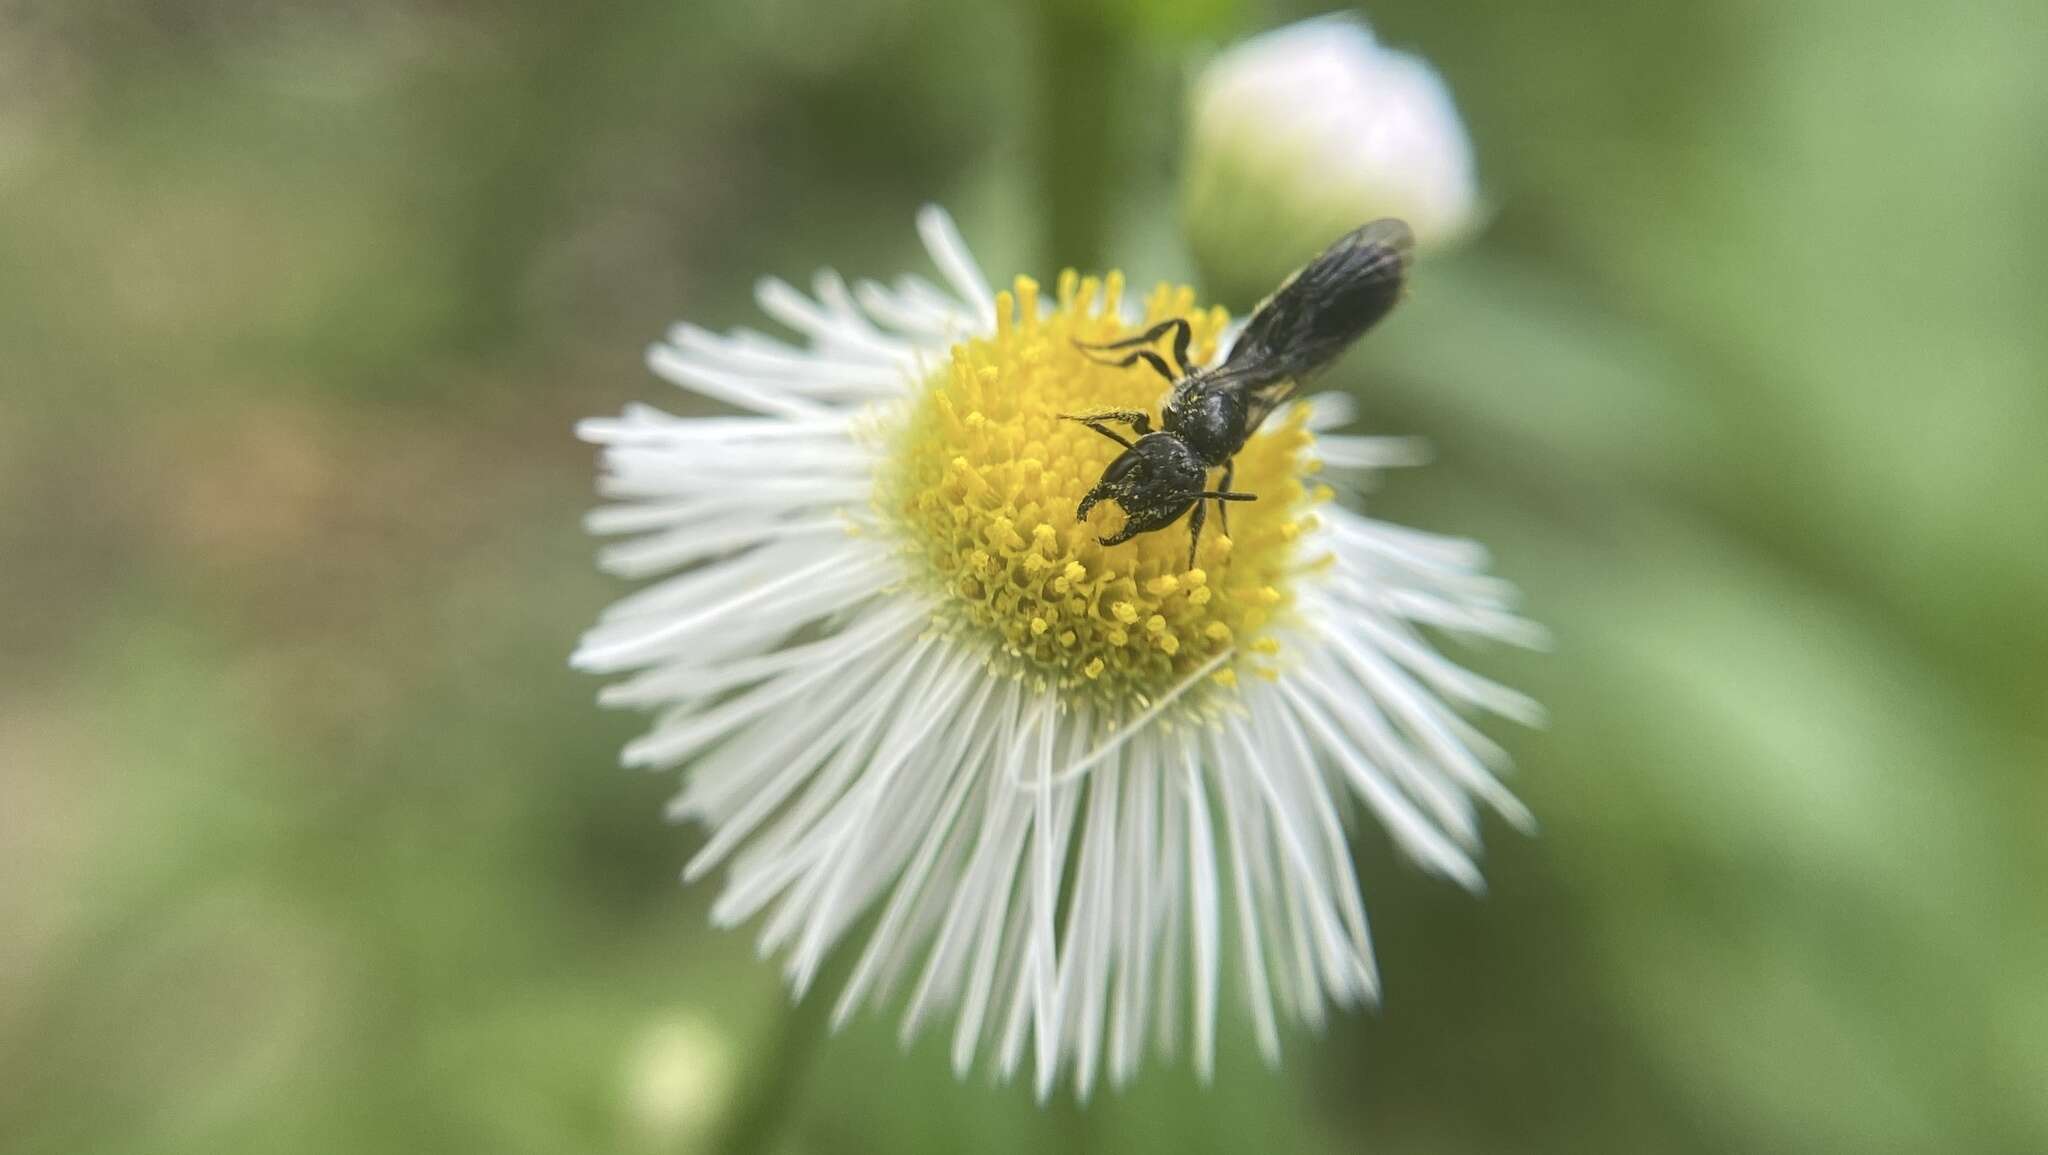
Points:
(984, 478)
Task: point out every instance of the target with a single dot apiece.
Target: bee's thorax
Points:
(1211, 421)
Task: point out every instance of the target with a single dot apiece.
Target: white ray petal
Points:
(1237, 822)
(942, 239)
(1203, 932)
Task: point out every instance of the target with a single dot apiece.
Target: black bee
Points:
(1210, 413)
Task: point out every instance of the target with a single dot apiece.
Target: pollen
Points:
(982, 481)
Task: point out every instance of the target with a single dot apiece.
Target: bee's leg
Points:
(1223, 510)
(1157, 362)
(1144, 338)
(1119, 537)
(1136, 419)
(1091, 499)
(1195, 521)
(1112, 434)
(1183, 334)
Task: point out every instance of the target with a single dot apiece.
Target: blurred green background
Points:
(311, 842)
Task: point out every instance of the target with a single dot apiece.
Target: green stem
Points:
(761, 1116)
(1078, 54)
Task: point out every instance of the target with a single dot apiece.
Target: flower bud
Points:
(1301, 134)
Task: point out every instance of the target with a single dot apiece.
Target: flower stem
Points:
(1078, 51)
(762, 1114)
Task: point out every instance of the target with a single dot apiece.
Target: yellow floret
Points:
(983, 478)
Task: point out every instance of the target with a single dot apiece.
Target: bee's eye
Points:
(1125, 464)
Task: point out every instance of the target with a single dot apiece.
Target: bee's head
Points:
(1154, 482)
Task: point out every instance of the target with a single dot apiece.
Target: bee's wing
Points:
(1267, 398)
(1325, 306)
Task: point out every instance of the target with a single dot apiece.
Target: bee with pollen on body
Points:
(1210, 413)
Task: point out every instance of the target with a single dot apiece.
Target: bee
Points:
(1210, 413)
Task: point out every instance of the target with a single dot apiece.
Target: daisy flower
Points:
(1070, 785)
